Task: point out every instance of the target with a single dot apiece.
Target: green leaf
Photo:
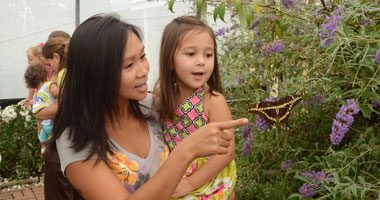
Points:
(199, 6)
(279, 30)
(238, 5)
(171, 3)
(364, 110)
(331, 161)
(361, 180)
(354, 190)
(222, 11)
(216, 13)
(261, 26)
(242, 17)
(249, 17)
(204, 10)
(295, 195)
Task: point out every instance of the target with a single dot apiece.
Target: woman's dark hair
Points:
(92, 82)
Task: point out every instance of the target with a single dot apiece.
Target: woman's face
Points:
(134, 70)
(54, 62)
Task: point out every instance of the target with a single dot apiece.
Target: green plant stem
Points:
(357, 99)
(360, 65)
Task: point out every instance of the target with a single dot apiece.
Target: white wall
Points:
(24, 23)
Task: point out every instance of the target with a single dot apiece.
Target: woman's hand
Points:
(184, 187)
(211, 139)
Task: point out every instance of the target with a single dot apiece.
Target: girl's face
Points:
(134, 70)
(54, 62)
(32, 59)
(194, 60)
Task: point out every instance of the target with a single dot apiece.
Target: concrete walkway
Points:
(31, 192)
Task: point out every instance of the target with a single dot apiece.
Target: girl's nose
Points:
(200, 61)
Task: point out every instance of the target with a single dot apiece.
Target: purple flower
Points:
(255, 23)
(316, 181)
(374, 103)
(307, 190)
(247, 147)
(366, 22)
(288, 3)
(328, 31)
(317, 99)
(377, 56)
(344, 119)
(258, 44)
(261, 123)
(247, 130)
(278, 46)
(286, 165)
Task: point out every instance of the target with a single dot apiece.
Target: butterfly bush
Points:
(250, 138)
(328, 31)
(276, 46)
(377, 56)
(262, 124)
(344, 119)
(288, 3)
(316, 181)
(286, 165)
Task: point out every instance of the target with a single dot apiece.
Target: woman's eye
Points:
(128, 66)
(143, 56)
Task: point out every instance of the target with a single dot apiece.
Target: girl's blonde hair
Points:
(35, 51)
(172, 37)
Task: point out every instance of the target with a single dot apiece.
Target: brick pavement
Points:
(30, 192)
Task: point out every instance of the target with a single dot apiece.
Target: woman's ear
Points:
(57, 57)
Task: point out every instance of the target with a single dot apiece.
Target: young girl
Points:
(34, 55)
(189, 91)
(36, 77)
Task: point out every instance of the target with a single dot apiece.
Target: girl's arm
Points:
(49, 111)
(54, 90)
(29, 100)
(217, 110)
(99, 182)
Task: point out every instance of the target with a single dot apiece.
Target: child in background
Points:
(36, 77)
(34, 55)
(189, 97)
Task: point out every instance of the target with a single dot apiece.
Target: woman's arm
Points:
(99, 182)
(48, 112)
(217, 110)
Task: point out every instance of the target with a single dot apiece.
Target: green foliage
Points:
(344, 69)
(19, 145)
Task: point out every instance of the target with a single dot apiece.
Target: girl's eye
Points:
(209, 55)
(190, 54)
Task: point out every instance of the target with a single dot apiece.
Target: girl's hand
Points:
(184, 187)
(211, 139)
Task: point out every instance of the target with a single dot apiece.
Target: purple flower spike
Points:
(261, 123)
(344, 119)
(307, 190)
(328, 31)
(374, 103)
(377, 56)
(288, 3)
(286, 165)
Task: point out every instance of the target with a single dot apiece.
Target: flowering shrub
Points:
(20, 151)
(329, 53)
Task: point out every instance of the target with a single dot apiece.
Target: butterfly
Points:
(276, 112)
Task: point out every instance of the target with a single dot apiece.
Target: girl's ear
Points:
(57, 57)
